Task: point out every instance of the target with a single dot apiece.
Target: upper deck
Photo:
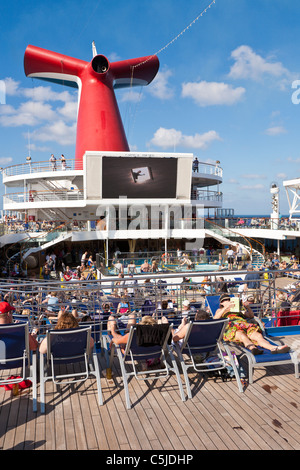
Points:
(46, 184)
(207, 175)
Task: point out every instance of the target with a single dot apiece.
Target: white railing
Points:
(208, 196)
(209, 169)
(36, 167)
(42, 196)
(46, 166)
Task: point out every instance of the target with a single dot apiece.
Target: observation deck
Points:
(43, 186)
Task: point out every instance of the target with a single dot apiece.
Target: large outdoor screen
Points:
(138, 177)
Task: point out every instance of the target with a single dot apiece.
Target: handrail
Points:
(31, 238)
(37, 167)
(240, 235)
(223, 228)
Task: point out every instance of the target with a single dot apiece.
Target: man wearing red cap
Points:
(6, 317)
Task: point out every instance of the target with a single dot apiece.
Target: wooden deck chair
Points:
(203, 341)
(15, 354)
(71, 346)
(267, 359)
(137, 351)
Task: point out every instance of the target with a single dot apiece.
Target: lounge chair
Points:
(15, 354)
(267, 359)
(70, 346)
(136, 351)
(213, 302)
(204, 341)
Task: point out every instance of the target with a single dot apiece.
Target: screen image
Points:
(138, 177)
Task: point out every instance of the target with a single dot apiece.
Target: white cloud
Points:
(114, 57)
(29, 113)
(131, 96)
(52, 123)
(212, 93)
(45, 93)
(5, 160)
(69, 110)
(276, 130)
(57, 131)
(171, 138)
(249, 64)
(160, 87)
(254, 176)
(281, 176)
(253, 187)
(11, 86)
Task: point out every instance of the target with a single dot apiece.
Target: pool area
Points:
(202, 267)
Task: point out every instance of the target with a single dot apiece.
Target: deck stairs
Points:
(227, 236)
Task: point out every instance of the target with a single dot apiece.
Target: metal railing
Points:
(209, 169)
(204, 195)
(37, 167)
(43, 196)
(46, 166)
(159, 294)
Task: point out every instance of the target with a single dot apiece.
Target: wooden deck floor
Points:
(266, 416)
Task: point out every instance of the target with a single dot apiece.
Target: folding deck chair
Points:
(202, 341)
(71, 346)
(135, 352)
(15, 354)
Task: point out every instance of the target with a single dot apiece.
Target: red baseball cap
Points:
(5, 307)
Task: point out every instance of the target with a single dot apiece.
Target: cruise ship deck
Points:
(218, 417)
(265, 417)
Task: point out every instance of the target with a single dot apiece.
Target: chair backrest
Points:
(96, 329)
(147, 341)
(68, 345)
(213, 302)
(204, 336)
(14, 343)
(288, 318)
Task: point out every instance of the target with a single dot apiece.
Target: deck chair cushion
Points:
(150, 335)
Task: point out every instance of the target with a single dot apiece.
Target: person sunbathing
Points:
(121, 340)
(240, 331)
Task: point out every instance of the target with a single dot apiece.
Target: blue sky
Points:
(223, 92)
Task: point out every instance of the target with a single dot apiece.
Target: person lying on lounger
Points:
(240, 331)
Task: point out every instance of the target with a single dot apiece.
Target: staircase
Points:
(227, 236)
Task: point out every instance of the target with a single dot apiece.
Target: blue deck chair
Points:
(71, 346)
(135, 352)
(15, 354)
(268, 359)
(213, 302)
(203, 340)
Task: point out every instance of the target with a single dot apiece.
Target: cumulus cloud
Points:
(212, 93)
(171, 138)
(11, 86)
(42, 110)
(249, 64)
(160, 87)
(45, 93)
(57, 131)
